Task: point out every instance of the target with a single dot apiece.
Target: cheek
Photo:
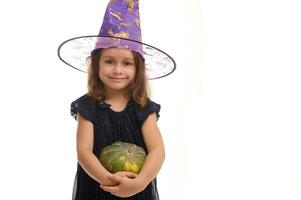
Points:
(102, 71)
(133, 72)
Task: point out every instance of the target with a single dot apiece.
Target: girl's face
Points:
(116, 68)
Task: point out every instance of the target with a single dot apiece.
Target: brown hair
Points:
(138, 89)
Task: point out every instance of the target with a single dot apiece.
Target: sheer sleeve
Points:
(85, 107)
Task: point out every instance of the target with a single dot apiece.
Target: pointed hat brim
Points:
(75, 52)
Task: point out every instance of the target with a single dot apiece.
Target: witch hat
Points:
(120, 29)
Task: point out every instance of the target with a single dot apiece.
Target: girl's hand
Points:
(127, 184)
(126, 174)
(120, 174)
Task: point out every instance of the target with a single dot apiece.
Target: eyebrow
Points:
(127, 58)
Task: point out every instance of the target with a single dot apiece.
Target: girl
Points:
(117, 105)
(111, 111)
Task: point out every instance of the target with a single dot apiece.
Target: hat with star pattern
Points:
(120, 29)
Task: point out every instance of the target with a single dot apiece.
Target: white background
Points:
(230, 113)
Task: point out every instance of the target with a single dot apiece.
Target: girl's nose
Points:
(117, 68)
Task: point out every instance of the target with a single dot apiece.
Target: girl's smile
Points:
(116, 78)
(116, 68)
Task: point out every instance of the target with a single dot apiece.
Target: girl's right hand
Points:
(122, 174)
(109, 182)
(131, 175)
(127, 184)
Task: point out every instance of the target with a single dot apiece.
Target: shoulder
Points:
(151, 107)
(84, 105)
(84, 99)
(150, 104)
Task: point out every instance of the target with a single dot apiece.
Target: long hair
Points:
(138, 90)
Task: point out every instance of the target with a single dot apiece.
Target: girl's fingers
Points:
(104, 188)
(111, 189)
(126, 174)
(115, 178)
(120, 173)
(131, 174)
(107, 188)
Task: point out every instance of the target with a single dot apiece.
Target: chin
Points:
(117, 87)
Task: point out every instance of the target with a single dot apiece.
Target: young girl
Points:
(111, 111)
(117, 106)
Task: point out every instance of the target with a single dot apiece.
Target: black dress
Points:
(110, 126)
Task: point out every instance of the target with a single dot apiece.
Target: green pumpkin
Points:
(122, 156)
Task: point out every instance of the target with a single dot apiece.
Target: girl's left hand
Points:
(126, 186)
(126, 174)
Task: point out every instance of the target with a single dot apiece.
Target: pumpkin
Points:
(122, 156)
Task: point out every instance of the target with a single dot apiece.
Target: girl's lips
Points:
(116, 79)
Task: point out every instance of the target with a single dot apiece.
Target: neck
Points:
(113, 95)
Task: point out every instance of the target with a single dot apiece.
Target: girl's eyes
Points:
(125, 63)
(108, 61)
(129, 63)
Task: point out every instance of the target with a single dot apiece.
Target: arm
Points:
(85, 156)
(156, 152)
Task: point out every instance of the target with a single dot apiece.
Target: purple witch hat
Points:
(120, 29)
